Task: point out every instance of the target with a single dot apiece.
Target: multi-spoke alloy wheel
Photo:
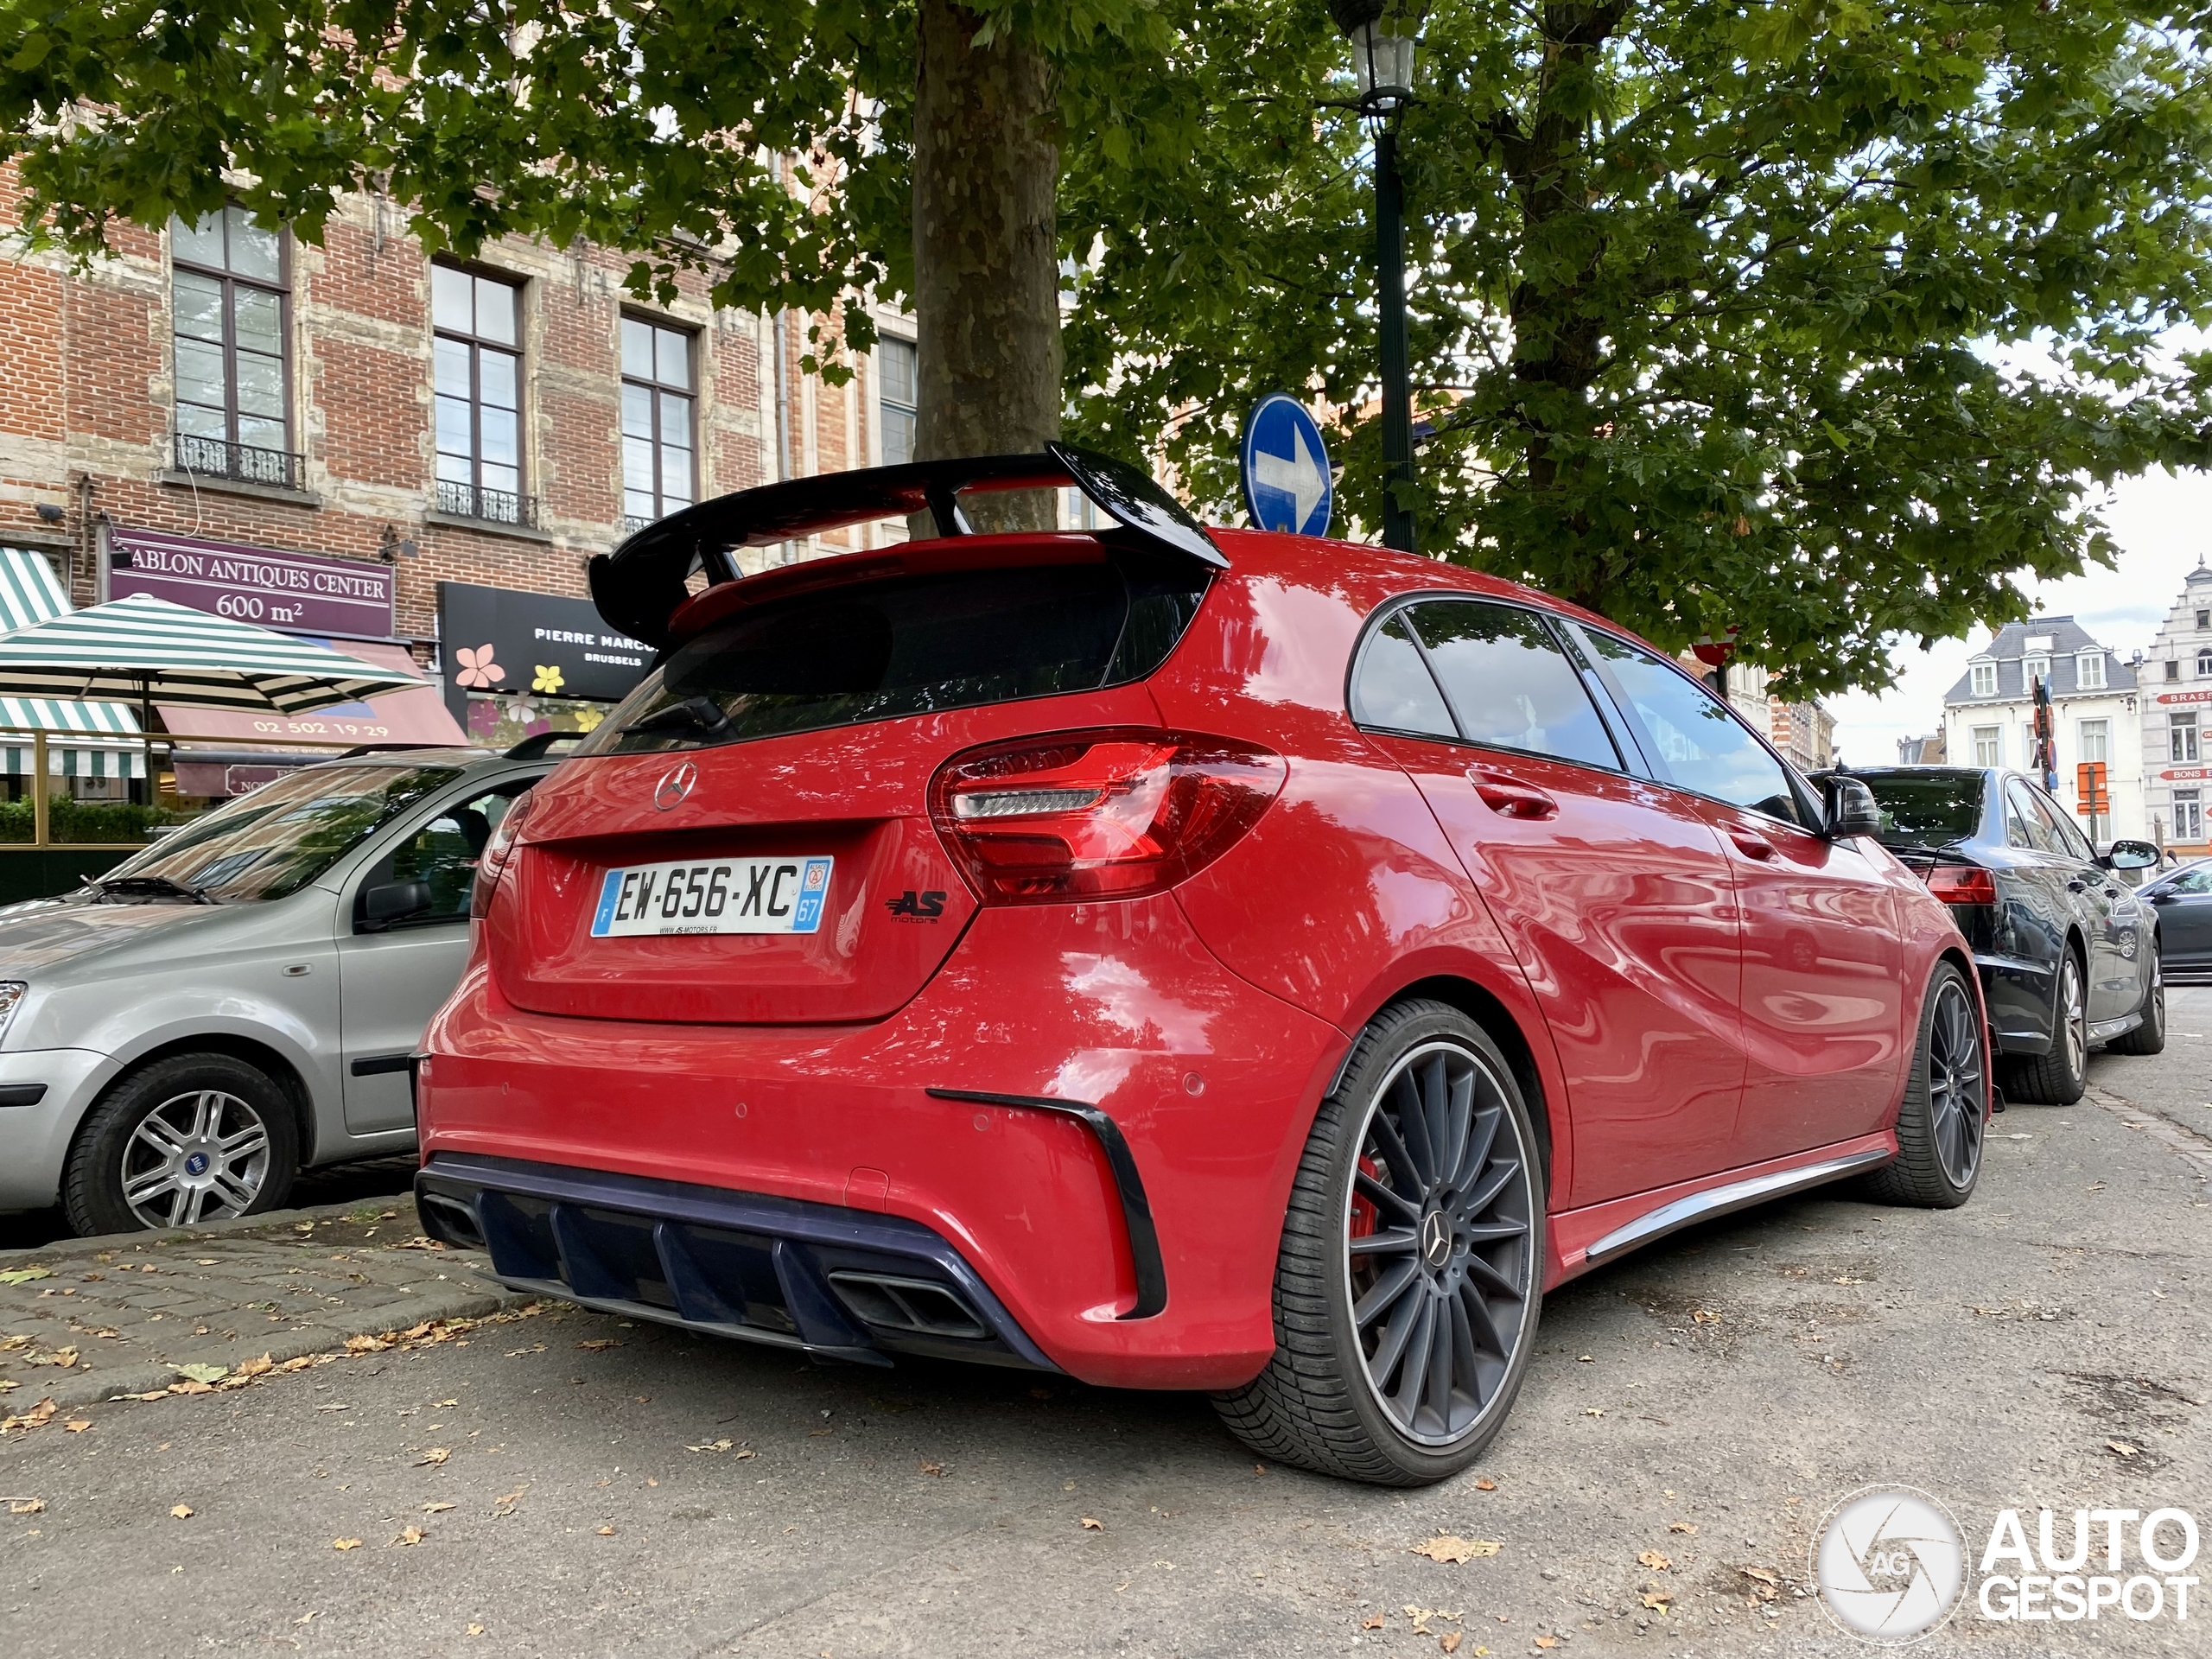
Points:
(195, 1157)
(1410, 1276)
(1436, 1242)
(1946, 1104)
(1957, 1097)
(185, 1139)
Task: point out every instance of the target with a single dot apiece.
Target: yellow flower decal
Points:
(588, 719)
(545, 679)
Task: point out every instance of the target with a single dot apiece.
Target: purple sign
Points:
(292, 592)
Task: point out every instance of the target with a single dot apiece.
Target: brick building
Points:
(222, 415)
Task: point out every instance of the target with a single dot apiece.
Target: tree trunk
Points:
(987, 164)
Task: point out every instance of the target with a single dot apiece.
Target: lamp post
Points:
(1382, 33)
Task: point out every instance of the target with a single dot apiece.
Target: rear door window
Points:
(1394, 690)
(1508, 682)
(1694, 739)
(843, 655)
(2024, 826)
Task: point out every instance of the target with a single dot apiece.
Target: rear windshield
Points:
(910, 645)
(1930, 811)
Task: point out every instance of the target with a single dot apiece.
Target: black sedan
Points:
(2069, 956)
(2181, 901)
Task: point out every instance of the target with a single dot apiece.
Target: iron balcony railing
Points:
(632, 523)
(240, 463)
(493, 506)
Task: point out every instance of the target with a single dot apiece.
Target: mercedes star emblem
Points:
(675, 784)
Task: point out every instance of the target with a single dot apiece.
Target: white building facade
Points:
(2176, 678)
(2096, 715)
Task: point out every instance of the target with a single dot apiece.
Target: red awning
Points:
(414, 714)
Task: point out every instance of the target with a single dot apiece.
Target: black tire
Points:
(2059, 1077)
(123, 1177)
(1449, 1246)
(1941, 1119)
(2150, 1037)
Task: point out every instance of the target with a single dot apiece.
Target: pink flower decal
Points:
(477, 668)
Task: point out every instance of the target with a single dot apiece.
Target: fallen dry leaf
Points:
(365, 1344)
(1450, 1641)
(410, 1535)
(1484, 1484)
(712, 1446)
(1449, 1548)
(436, 1454)
(932, 1468)
(1689, 1526)
(476, 1629)
(1548, 1640)
(78, 1425)
(606, 1532)
(599, 1344)
(1373, 1622)
(191, 1385)
(1656, 1600)
(26, 1505)
(345, 1543)
(2124, 1448)
(1762, 1575)
(1654, 1560)
(257, 1367)
(1705, 1316)
(1593, 1411)
(182, 1511)
(435, 1509)
(1090, 1525)
(202, 1373)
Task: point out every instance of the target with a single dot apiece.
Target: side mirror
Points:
(393, 901)
(1851, 808)
(2132, 855)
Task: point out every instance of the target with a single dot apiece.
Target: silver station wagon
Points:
(238, 1001)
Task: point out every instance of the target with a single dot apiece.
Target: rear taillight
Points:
(492, 862)
(1098, 815)
(1962, 884)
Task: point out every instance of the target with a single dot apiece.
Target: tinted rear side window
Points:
(909, 645)
(1930, 811)
(1512, 686)
(1394, 690)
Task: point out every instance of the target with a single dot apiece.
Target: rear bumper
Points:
(839, 1283)
(1099, 1121)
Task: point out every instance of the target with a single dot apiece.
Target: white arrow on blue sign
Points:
(1286, 468)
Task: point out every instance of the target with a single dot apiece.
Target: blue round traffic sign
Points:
(1285, 466)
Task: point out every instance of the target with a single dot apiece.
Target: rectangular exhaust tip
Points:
(890, 1303)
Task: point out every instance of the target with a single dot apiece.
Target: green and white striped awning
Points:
(30, 593)
(143, 650)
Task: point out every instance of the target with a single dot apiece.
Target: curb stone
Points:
(285, 1284)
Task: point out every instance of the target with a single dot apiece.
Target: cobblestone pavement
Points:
(575, 1485)
(91, 1319)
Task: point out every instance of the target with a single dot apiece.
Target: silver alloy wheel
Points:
(1957, 1096)
(196, 1157)
(2073, 1016)
(1439, 1271)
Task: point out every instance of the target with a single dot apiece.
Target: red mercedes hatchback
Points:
(1178, 957)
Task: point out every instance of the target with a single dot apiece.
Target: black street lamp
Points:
(1382, 33)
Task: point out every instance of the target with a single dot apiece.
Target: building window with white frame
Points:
(2182, 737)
(2095, 738)
(1988, 746)
(2188, 815)
(659, 468)
(477, 372)
(233, 357)
(1985, 679)
(2204, 664)
(2173, 669)
(2032, 669)
(897, 395)
(2090, 670)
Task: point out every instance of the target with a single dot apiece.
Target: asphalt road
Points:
(1738, 1381)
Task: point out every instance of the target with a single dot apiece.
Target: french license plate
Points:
(713, 895)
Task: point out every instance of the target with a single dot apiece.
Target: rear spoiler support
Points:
(638, 587)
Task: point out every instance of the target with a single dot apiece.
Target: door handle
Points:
(1509, 797)
(1752, 845)
(2077, 885)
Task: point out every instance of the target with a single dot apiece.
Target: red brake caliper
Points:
(1363, 1216)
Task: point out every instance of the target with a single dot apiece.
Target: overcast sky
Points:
(2163, 522)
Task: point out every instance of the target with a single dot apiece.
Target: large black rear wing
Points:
(639, 585)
